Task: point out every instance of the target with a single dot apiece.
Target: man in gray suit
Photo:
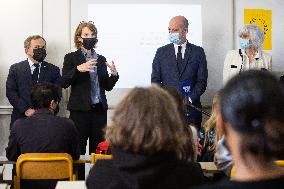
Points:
(181, 61)
(23, 75)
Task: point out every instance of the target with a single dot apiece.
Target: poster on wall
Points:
(262, 18)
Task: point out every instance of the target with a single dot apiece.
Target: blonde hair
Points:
(211, 123)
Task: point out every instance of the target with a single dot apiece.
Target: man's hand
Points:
(29, 112)
(87, 66)
(112, 68)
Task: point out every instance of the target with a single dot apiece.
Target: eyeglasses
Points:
(91, 22)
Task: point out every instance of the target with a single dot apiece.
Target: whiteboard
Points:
(18, 19)
(129, 34)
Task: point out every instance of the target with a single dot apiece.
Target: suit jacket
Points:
(80, 97)
(139, 171)
(165, 73)
(233, 62)
(43, 132)
(19, 85)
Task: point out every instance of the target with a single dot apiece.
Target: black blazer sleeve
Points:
(202, 74)
(12, 91)
(13, 151)
(156, 69)
(69, 71)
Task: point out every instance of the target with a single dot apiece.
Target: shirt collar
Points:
(256, 57)
(32, 64)
(183, 46)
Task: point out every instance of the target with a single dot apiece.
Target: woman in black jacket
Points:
(86, 72)
(150, 145)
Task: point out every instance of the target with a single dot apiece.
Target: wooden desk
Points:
(4, 160)
(209, 167)
(71, 185)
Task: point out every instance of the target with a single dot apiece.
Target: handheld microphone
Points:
(185, 89)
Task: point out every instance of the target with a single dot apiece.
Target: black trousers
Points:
(90, 124)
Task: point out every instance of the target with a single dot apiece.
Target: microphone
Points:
(185, 89)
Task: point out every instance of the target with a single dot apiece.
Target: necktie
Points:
(35, 74)
(179, 59)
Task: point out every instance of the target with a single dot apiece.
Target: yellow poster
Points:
(262, 18)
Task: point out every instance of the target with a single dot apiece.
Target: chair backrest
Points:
(280, 163)
(95, 157)
(43, 166)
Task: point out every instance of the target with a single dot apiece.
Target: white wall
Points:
(56, 31)
(217, 25)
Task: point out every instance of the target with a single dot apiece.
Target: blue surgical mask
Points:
(174, 38)
(244, 43)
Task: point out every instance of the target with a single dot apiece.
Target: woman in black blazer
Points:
(86, 72)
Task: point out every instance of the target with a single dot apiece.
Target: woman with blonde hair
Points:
(209, 134)
(150, 145)
(86, 72)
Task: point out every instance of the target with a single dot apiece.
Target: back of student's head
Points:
(253, 104)
(42, 95)
(148, 121)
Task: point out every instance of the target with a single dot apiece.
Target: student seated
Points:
(209, 135)
(43, 131)
(251, 117)
(150, 145)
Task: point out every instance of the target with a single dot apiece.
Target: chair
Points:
(280, 163)
(95, 157)
(232, 173)
(43, 166)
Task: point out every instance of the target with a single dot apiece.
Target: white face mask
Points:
(174, 38)
(244, 43)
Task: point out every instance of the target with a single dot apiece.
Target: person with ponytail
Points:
(251, 118)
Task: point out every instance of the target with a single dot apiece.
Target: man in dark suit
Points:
(43, 131)
(86, 72)
(23, 75)
(180, 62)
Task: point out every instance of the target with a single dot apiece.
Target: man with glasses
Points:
(24, 75)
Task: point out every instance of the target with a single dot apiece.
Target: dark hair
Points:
(148, 121)
(252, 103)
(43, 94)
